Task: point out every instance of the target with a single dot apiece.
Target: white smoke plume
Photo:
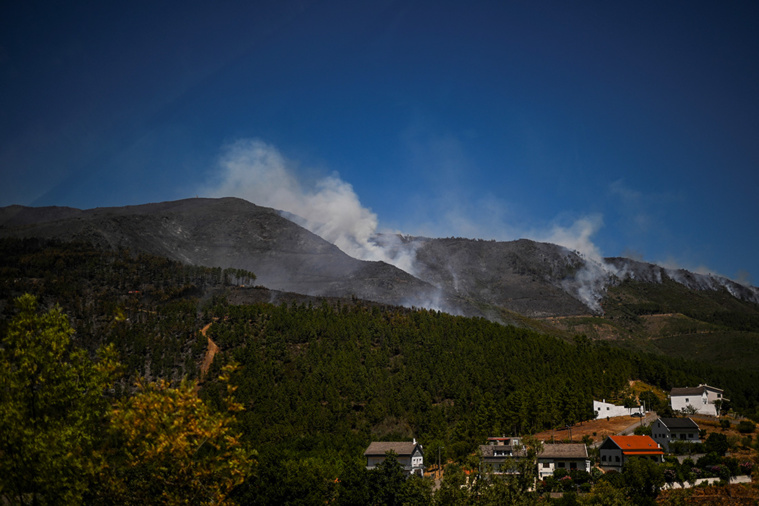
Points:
(329, 207)
(256, 171)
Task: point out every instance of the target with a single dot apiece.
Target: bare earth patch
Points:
(597, 430)
(211, 352)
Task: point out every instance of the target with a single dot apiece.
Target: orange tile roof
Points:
(637, 445)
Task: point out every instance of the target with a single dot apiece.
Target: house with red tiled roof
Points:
(409, 453)
(616, 450)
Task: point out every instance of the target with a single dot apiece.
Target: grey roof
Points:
(693, 390)
(679, 423)
(488, 451)
(564, 451)
(401, 448)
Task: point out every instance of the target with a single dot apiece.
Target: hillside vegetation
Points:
(320, 379)
(671, 319)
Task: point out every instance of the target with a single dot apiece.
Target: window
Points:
(546, 465)
(561, 464)
(616, 458)
(573, 465)
(603, 458)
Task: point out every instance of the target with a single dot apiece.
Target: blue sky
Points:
(616, 128)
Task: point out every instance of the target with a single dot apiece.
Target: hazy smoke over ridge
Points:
(329, 207)
(256, 171)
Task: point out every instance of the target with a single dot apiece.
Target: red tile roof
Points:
(637, 445)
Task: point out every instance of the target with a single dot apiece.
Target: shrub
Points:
(746, 467)
(720, 471)
(746, 427)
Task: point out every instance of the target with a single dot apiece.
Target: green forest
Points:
(299, 390)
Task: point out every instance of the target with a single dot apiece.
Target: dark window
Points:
(616, 458)
(573, 465)
(545, 465)
(561, 464)
(603, 458)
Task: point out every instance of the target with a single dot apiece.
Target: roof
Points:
(637, 445)
(401, 448)
(489, 451)
(564, 451)
(693, 390)
(503, 438)
(679, 423)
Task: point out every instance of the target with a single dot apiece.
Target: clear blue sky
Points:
(633, 123)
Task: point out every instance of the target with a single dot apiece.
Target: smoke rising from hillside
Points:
(328, 206)
(258, 172)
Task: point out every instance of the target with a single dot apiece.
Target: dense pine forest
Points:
(318, 380)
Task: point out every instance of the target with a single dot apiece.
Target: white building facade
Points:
(602, 409)
(696, 400)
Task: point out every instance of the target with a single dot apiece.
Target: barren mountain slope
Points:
(226, 232)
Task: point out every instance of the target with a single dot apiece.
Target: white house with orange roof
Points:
(616, 450)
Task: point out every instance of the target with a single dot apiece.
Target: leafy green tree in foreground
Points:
(643, 479)
(52, 409)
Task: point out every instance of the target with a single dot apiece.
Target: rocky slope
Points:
(460, 276)
(226, 232)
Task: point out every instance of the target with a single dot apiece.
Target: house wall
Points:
(604, 409)
(662, 435)
(712, 395)
(612, 459)
(417, 459)
(374, 461)
(546, 467)
(699, 402)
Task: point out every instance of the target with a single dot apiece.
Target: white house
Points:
(569, 456)
(602, 409)
(667, 430)
(616, 450)
(410, 455)
(698, 399)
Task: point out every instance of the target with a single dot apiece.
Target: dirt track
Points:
(211, 351)
(598, 430)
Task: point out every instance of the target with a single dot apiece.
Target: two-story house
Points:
(410, 455)
(616, 450)
(700, 399)
(569, 456)
(499, 455)
(667, 430)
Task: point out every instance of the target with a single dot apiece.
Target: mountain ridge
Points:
(471, 277)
